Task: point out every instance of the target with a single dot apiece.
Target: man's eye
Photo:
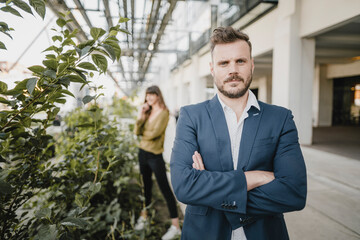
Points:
(240, 61)
(223, 63)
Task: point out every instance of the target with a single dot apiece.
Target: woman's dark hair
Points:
(155, 90)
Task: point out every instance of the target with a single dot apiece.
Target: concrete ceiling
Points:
(340, 44)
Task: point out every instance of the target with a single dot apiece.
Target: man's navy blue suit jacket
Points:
(217, 198)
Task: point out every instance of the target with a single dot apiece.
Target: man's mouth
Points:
(233, 79)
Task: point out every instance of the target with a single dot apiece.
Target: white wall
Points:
(321, 15)
(343, 70)
(288, 32)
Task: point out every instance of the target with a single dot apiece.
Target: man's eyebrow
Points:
(222, 61)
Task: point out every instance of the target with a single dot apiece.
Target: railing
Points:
(248, 5)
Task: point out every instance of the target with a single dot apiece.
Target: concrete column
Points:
(325, 98)
(316, 98)
(268, 88)
(293, 68)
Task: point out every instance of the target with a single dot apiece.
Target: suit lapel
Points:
(251, 125)
(221, 132)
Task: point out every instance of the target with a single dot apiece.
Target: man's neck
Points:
(236, 104)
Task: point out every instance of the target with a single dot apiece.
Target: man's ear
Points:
(253, 65)
(211, 68)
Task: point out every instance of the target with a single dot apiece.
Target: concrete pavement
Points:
(333, 204)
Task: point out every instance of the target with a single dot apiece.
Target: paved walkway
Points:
(332, 211)
(333, 204)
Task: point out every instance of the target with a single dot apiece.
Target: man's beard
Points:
(238, 93)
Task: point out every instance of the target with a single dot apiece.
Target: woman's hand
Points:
(145, 107)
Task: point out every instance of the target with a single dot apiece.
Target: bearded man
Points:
(236, 161)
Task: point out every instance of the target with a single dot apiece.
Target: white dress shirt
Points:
(235, 129)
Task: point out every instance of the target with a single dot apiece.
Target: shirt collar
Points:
(252, 101)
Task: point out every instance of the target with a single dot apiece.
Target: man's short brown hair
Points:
(227, 35)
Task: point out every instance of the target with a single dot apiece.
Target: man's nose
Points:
(233, 68)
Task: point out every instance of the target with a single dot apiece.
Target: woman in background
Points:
(151, 125)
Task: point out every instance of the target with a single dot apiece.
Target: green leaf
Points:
(64, 81)
(50, 73)
(13, 92)
(22, 5)
(114, 44)
(3, 87)
(68, 42)
(61, 67)
(85, 50)
(4, 101)
(4, 26)
(30, 85)
(87, 65)
(47, 232)
(75, 78)
(74, 222)
(21, 85)
(60, 22)
(26, 122)
(60, 100)
(5, 188)
(86, 43)
(87, 99)
(43, 213)
(113, 32)
(39, 6)
(52, 64)
(50, 56)
(67, 92)
(97, 32)
(51, 48)
(37, 69)
(58, 38)
(2, 45)
(109, 49)
(95, 188)
(79, 200)
(11, 10)
(122, 20)
(125, 31)
(100, 61)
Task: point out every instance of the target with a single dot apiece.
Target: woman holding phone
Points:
(151, 125)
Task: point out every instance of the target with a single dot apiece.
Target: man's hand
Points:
(258, 178)
(197, 161)
(254, 179)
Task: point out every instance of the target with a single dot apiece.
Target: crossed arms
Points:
(254, 178)
(254, 192)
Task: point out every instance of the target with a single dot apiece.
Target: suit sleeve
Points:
(204, 188)
(288, 191)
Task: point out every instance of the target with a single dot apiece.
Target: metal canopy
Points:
(149, 20)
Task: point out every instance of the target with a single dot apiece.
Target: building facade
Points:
(306, 53)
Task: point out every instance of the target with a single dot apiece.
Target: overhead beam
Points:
(163, 25)
(107, 13)
(83, 12)
(60, 6)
